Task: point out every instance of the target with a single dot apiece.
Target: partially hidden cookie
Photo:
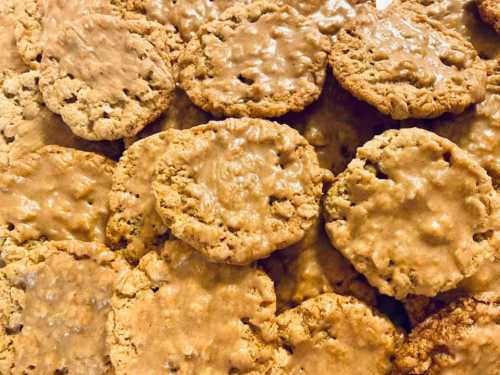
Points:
(134, 224)
(313, 267)
(337, 124)
(258, 60)
(333, 334)
(55, 302)
(108, 78)
(179, 313)
(490, 12)
(239, 189)
(413, 213)
(406, 64)
(461, 339)
(26, 124)
(39, 21)
(9, 58)
(463, 17)
(55, 193)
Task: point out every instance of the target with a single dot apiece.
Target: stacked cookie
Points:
(306, 187)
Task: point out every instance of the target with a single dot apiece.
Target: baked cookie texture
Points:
(382, 58)
(134, 223)
(313, 267)
(333, 334)
(413, 213)
(463, 17)
(179, 313)
(55, 193)
(108, 78)
(9, 59)
(490, 12)
(461, 339)
(239, 189)
(258, 60)
(55, 299)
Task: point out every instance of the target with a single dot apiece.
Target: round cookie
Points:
(413, 213)
(239, 189)
(108, 78)
(55, 193)
(179, 313)
(134, 223)
(39, 21)
(313, 267)
(333, 334)
(55, 301)
(259, 60)
(382, 58)
(26, 124)
(9, 58)
(461, 339)
(490, 12)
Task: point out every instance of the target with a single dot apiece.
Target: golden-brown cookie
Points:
(239, 189)
(55, 301)
(461, 339)
(258, 60)
(490, 12)
(108, 78)
(333, 334)
(9, 58)
(406, 64)
(178, 313)
(55, 193)
(413, 213)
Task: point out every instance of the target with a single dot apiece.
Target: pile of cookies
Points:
(261, 187)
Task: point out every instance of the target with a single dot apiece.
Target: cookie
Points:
(333, 334)
(55, 303)
(490, 12)
(179, 313)
(337, 124)
(26, 124)
(259, 60)
(382, 58)
(313, 267)
(181, 114)
(9, 58)
(134, 223)
(108, 78)
(239, 189)
(462, 339)
(413, 213)
(55, 193)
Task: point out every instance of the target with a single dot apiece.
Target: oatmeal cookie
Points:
(55, 193)
(9, 58)
(413, 213)
(134, 223)
(461, 339)
(179, 313)
(239, 189)
(406, 64)
(490, 12)
(259, 60)
(108, 78)
(333, 334)
(55, 301)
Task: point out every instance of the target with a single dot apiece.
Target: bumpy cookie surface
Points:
(55, 300)
(108, 78)
(238, 189)
(413, 213)
(134, 223)
(461, 339)
(259, 60)
(490, 12)
(9, 58)
(333, 334)
(179, 313)
(406, 64)
(56, 193)
(313, 267)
